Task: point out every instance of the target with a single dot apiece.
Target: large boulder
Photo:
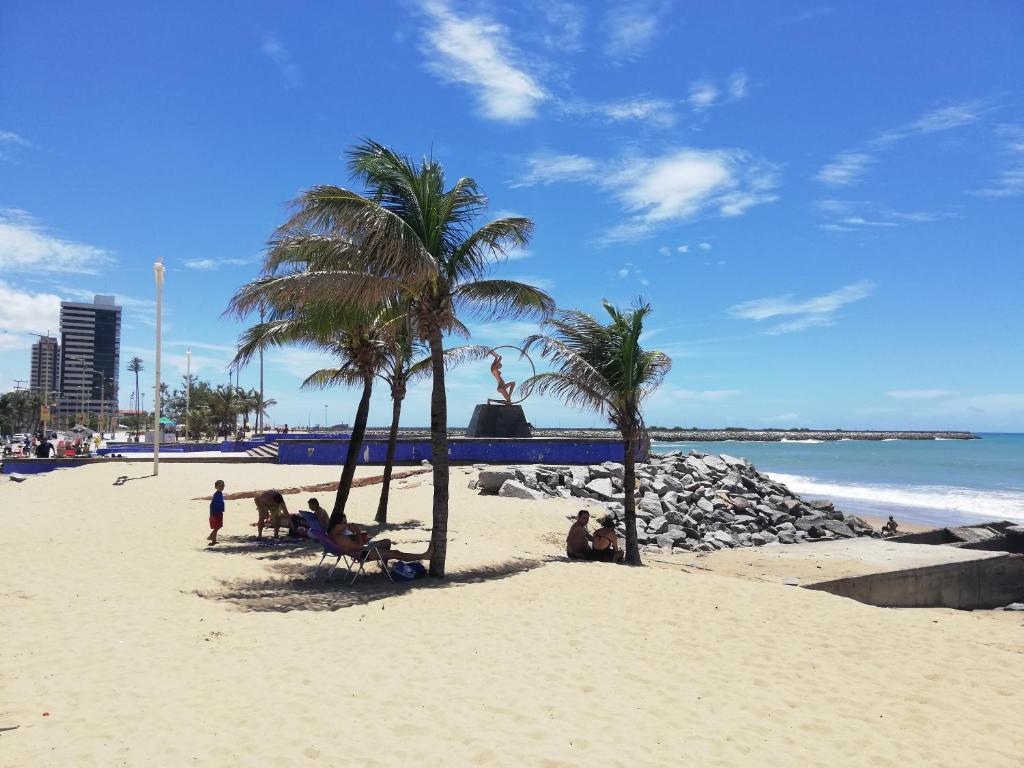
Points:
(715, 463)
(491, 480)
(601, 487)
(514, 489)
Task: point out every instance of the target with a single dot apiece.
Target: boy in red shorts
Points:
(216, 512)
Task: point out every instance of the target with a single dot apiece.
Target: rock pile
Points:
(695, 502)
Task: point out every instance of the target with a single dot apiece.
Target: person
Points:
(216, 512)
(351, 540)
(44, 449)
(505, 388)
(605, 542)
(270, 507)
(321, 514)
(577, 542)
(889, 529)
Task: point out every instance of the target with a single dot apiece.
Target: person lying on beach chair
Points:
(270, 507)
(351, 540)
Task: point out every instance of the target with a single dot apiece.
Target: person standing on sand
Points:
(216, 512)
(270, 507)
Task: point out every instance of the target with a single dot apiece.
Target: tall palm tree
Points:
(409, 236)
(135, 366)
(359, 341)
(225, 407)
(603, 368)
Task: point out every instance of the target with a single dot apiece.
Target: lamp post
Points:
(325, 417)
(103, 398)
(188, 388)
(158, 274)
(259, 412)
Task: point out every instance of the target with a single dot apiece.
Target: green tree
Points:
(603, 367)
(409, 236)
(135, 366)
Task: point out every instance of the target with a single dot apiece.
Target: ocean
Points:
(933, 482)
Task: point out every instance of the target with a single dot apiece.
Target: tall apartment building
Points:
(90, 355)
(45, 374)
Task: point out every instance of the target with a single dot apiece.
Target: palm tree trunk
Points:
(355, 443)
(439, 454)
(389, 462)
(137, 407)
(629, 502)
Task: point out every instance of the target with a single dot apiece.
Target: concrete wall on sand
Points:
(460, 450)
(986, 583)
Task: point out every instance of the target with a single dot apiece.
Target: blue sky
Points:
(823, 202)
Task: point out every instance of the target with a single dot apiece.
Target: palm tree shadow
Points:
(296, 589)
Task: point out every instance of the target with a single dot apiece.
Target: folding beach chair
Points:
(354, 566)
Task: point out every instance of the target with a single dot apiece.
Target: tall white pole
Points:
(188, 388)
(158, 274)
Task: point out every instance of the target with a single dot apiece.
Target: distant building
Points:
(90, 355)
(44, 376)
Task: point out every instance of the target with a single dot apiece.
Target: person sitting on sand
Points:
(577, 543)
(351, 540)
(605, 542)
(320, 513)
(889, 529)
(270, 507)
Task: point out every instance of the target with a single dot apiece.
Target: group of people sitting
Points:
(601, 545)
(350, 538)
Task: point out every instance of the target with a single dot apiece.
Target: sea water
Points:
(935, 482)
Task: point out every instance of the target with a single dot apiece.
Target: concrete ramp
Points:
(990, 580)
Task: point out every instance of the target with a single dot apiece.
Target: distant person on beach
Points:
(321, 514)
(216, 512)
(889, 529)
(351, 540)
(270, 507)
(44, 450)
(605, 542)
(577, 543)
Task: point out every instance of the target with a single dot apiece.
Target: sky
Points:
(823, 202)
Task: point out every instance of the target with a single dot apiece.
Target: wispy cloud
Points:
(704, 246)
(26, 246)
(920, 394)
(678, 186)
(702, 94)
(630, 271)
(677, 393)
(478, 53)
(705, 93)
(845, 169)
(860, 215)
(850, 165)
(10, 143)
(642, 109)
(544, 283)
(805, 313)
(563, 24)
(277, 53)
(1010, 181)
(210, 265)
(805, 15)
(630, 28)
(23, 312)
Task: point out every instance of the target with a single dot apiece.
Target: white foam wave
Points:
(787, 440)
(973, 502)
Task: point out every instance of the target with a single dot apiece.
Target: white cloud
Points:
(665, 250)
(683, 249)
(853, 215)
(631, 28)
(10, 142)
(1010, 181)
(806, 313)
(704, 246)
(656, 112)
(518, 254)
(845, 169)
(677, 186)
(209, 265)
(564, 25)
(26, 246)
(544, 283)
(738, 84)
(703, 94)
(478, 53)
(700, 394)
(24, 312)
(276, 52)
(920, 394)
(807, 15)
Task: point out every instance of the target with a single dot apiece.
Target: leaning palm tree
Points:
(408, 236)
(135, 366)
(603, 368)
(359, 341)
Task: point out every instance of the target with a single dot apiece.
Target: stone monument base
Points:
(498, 421)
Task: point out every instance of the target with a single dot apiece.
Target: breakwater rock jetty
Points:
(797, 435)
(695, 502)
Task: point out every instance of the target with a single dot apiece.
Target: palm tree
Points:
(357, 339)
(411, 237)
(135, 366)
(225, 407)
(603, 368)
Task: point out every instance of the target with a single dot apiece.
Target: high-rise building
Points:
(90, 355)
(44, 376)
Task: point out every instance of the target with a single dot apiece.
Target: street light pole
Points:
(188, 388)
(158, 274)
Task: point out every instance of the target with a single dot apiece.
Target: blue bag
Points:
(407, 571)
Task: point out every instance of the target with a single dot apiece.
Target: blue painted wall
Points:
(484, 450)
(28, 466)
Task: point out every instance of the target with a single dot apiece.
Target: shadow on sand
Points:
(125, 479)
(295, 589)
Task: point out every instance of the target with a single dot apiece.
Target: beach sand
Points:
(128, 642)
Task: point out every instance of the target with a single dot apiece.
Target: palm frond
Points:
(499, 299)
(329, 377)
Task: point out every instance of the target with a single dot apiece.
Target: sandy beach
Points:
(129, 642)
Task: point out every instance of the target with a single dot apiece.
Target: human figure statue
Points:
(504, 388)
